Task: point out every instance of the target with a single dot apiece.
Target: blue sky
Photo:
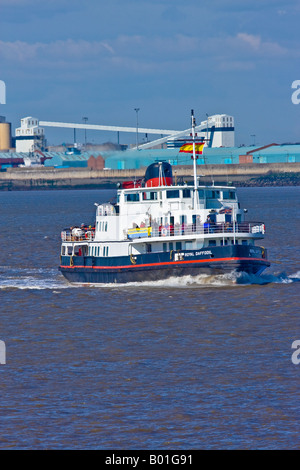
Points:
(65, 59)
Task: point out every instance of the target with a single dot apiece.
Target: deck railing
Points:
(225, 229)
(77, 235)
(197, 229)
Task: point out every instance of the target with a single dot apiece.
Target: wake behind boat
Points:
(158, 230)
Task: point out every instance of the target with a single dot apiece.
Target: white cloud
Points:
(143, 54)
(19, 51)
(253, 41)
(263, 47)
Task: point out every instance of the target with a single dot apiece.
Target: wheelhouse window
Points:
(229, 195)
(132, 197)
(186, 193)
(150, 196)
(214, 194)
(172, 194)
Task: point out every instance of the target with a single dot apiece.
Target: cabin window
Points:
(70, 250)
(150, 196)
(105, 250)
(165, 246)
(212, 243)
(201, 193)
(132, 197)
(78, 250)
(213, 194)
(244, 242)
(148, 247)
(170, 246)
(186, 193)
(172, 194)
(229, 195)
(178, 246)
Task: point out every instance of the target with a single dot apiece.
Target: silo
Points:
(5, 135)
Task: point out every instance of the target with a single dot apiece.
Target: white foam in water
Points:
(217, 280)
(281, 278)
(43, 278)
(33, 278)
(201, 280)
(295, 276)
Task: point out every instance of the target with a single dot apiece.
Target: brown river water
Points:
(202, 363)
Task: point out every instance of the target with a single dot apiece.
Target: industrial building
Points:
(30, 136)
(217, 132)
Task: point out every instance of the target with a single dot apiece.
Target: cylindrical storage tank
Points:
(5, 135)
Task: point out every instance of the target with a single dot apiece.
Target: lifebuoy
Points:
(164, 232)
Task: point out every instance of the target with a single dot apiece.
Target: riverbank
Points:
(47, 178)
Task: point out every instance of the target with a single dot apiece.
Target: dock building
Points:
(217, 133)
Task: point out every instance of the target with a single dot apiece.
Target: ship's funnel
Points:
(159, 174)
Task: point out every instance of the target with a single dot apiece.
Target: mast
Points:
(196, 196)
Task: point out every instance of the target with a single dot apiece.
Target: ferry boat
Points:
(157, 229)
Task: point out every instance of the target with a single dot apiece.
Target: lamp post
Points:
(137, 127)
(85, 119)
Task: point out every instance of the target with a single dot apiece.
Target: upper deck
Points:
(163, 214)
(177, 197)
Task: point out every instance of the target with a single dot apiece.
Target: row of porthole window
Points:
(228, 242)
(102, 226)
(98, 250)
(178, 245)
